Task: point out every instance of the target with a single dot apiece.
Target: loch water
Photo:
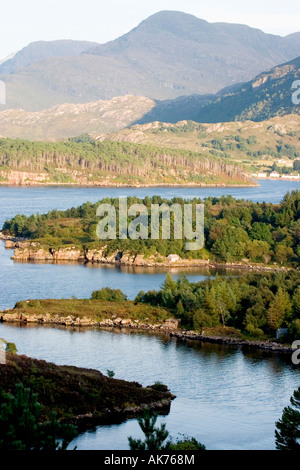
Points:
(226, 397)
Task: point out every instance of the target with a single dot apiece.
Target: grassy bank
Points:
(85, 312)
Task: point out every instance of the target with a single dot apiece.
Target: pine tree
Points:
(210, 301)
(154, 437)
(296, 301)
(180, 308)
(169, 283)
(288, 427)
(20, 426)
(279, 309)
(225, 301)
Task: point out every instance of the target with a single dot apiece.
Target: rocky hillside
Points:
(70, 120)
(258, 145)
(268, 95)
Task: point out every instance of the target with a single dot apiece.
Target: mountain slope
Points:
(181, 39)
(168, 55)
(268, 95)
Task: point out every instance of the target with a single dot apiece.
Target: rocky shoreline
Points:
(23, 178)
(171, 327)
(270, 346)
(27, 250)
(9, 316)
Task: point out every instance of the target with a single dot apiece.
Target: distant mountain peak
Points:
(171, 16)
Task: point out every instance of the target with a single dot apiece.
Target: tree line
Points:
(254, 304)
(117, 158)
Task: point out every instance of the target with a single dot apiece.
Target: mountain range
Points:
(267, 96)
(167, 56)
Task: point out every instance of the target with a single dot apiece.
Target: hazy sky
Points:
(24, 21)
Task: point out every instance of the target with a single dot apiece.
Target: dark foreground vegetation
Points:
(287, 432)
(156, 437)
(79, 396)
(27, 424)
(21, 428)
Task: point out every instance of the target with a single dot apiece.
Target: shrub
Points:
(108, 294)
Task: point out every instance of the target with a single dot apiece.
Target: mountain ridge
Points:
(41, 50)
(168, 55)
(268, 95)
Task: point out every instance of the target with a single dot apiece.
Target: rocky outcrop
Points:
(21, 178)
(10, 244)
(31, 253)
(70, 119)
(34, 251)
(94, 256)
(70, 253)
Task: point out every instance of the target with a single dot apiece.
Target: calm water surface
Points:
(27, 200)
(226, 398)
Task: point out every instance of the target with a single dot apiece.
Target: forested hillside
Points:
(267, 95)
(85, 161)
